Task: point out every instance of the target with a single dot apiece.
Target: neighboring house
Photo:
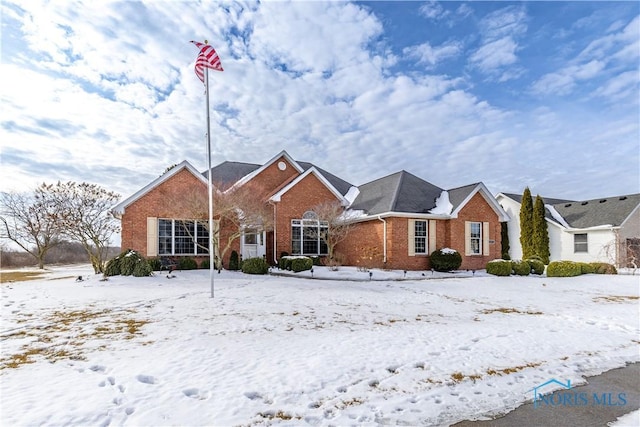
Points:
(605, 229)
(398, 220)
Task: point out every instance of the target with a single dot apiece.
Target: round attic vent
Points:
(282, 166)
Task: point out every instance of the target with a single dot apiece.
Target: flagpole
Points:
(210, 185)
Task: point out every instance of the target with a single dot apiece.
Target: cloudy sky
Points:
(514, 94)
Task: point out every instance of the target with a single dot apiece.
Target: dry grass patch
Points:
(616, 298)
(459, 377)
(512, 370)
(19, 276)
(509, 311)
(67, 335)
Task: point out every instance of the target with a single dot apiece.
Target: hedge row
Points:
(500, 267)
(295, 263)
(571, 268)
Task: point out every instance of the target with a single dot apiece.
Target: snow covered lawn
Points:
(302, 351)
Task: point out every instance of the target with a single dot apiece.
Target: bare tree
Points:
(234, 209)
(85, 216)
(338, 226)
(31, 221)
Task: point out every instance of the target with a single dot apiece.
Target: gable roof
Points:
(398, 192)
(238, 173)
(118, 210)
(460, 196)
(606, 211)
(312, 170)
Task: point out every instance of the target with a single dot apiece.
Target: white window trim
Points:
(173, 237)
(585, 244)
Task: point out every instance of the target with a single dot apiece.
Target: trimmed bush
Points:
(521, 268)
(284, 263)
(499, 267)
(186, 263)
(563, 269)
(537, 266)
(301, 264)
(445, 259)
(587, 268)
(205, 264)
(604, 268)
(234, 261)
(255, 266)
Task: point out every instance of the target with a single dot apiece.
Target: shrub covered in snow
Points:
(128, 263)
(499, 267)
(255, 266)
(563, 269)
(445, 259)
(301, 264)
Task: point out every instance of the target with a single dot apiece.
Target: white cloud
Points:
(500, 31)
(433, 10)
(111, 96)
(429, 55)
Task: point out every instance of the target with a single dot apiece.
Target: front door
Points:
(253, 244)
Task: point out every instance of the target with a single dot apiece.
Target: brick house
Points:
(397, 220)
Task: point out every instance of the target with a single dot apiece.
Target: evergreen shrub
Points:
(537, 266)
(521, 268)
(154, 263)
(128, 263)
(142, 268)
(284, 263)
(234, 261)
(563, 269)
(186, 263)
(499, 267)
(255, 266)
(301, 264)
(604, 268)
(445, 259)
(587, 268)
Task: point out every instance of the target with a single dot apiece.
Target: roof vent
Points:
(567, 205)
(584, 203)
(603, 200)
(623, 198)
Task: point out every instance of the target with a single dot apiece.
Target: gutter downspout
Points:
(384, 240)
(275, 240)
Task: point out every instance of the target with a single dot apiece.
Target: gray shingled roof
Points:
(399, 192)
(590, 213)
(228, 173)
(546, 200)
(604, 211)
(458, 195)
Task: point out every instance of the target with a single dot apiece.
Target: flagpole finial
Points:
(206, 41)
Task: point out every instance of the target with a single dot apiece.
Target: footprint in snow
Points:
(146, 379)
(98, 368)
(195, 393)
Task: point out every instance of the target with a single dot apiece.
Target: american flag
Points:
(206, 58)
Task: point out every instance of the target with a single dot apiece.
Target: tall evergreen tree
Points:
(504, 235)
(540, 232)
(526, 224)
